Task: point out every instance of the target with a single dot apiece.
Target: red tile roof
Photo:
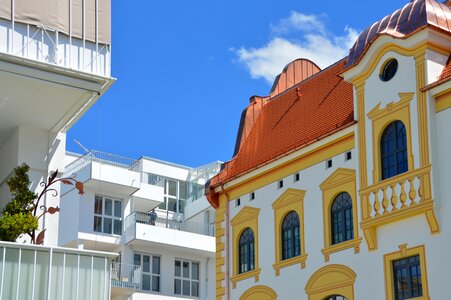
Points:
(311, 110)
(446, 71)
(404, 22)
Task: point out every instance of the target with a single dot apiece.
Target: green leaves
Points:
(17, 217)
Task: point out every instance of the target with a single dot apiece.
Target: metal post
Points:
(50, 273)
(64, 275)
(3, 273)
(12, 27)
(84, 35)
(34, 274)
(18, 274)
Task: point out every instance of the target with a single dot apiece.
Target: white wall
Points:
(167, 258)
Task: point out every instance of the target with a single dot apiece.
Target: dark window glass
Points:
(407, 278)
(389, 70)
(336, 297)
(156, 283)
(329, 163)
(246, 251)
(341, 219)
(291, 237)
(97, 224)
(280, 184)
(393, 150)
(296, 177)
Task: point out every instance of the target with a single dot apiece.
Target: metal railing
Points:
(126, 276)
(100, 157)
(188, 226)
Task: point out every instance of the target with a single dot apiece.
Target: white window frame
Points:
(150, 273)
(104, 216)
(189, 279)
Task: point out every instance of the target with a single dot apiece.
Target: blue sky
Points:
(186, 69)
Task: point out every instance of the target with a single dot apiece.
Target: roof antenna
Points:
(79, 144)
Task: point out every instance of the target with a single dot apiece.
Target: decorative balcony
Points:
(396, 198)
(139, 229)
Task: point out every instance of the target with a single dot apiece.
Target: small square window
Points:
(252, 196)
(237, 202)
(348, 155)
(280, 184)
(328, 163)
(296, 177)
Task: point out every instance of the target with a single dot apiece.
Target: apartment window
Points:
(246, 251)
(348, 156)
(150, 270)
(394, 150)
(280, 184)
(107, 215)
(296, 177)
(328, 163)
(175, 193)
(291, 237)
(341, 218)
(186, 279)
(336, 297)
(407, 278)
(252, 196)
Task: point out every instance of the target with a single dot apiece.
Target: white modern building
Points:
(54, 64)
(153, 214)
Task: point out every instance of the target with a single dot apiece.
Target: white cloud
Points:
(314, 43)
(299, 21)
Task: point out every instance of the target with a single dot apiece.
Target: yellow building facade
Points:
(339, 187)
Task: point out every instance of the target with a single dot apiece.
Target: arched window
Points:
(246, 251)
(336, 297)
(291, 237)
(394, 150)
(341, 219)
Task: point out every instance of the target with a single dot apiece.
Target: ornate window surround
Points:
(342, 180)
(403, 253)
(246, 218)
(290, 200)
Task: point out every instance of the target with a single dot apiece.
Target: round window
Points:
(389, 69)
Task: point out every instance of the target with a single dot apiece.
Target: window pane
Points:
(98, 205)
(118, 209)
(137, 260)
(107, 225)
(177, 268)
(178, 286)
(108, 207)
(186, 269)
(146, 263)
(146, 282)
(97, 224)
(172, 205)
(156, 283)
(195, 289)
(186, 288)
(163, 204)
(183, 190)
(172, 187)
(195, 271)
(155, 265)
(118, 227)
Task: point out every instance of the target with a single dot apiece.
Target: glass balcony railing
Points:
(187, 226)
(39, 272)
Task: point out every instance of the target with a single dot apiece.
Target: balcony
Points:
(397, 198)
(116, 174)
(125, 279)
(140, 230)
(39, 272)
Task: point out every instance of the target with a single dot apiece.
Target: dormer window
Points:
(389, 69)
